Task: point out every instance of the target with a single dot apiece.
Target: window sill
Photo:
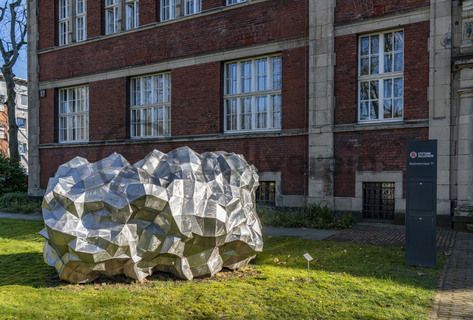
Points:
(181, 139)
(381, 125)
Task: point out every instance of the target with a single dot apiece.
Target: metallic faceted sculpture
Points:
(181, 212)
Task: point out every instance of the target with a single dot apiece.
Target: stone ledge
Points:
(381, 126)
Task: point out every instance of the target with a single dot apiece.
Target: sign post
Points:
(421, 203)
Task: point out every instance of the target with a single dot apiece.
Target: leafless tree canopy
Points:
(12, 39)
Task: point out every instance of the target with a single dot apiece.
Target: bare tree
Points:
(12, 40)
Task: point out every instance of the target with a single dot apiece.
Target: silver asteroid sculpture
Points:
(182, 213)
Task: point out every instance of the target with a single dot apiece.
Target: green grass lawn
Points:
(347, 282)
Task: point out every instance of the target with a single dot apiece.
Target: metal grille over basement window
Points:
(378, 200)
(266, 193)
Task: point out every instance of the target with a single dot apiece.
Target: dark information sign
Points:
(421, 203)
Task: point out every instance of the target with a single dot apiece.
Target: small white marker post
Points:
(309, 258)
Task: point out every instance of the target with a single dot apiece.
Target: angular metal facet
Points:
(181, 212)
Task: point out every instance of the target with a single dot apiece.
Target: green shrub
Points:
(12, 176)
(312, 216)
(19, 202)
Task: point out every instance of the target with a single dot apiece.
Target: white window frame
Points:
(23, 96)
(132, 21)
(159, 101)
(380, 78)
(233, 2)
(253, 95)
(3, 134)
(113, 7)
(81, 34)
(73, 112)
(64, 22)
(196, 6)
(69, 21)
(168, 10)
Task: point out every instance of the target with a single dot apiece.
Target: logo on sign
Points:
(413, 155)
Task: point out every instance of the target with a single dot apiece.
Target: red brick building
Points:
(321, 95)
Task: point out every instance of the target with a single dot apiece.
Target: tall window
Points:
(81, 26)
(112, 16)
(168, 9)
(121, 15)
(131, 14)
(192, 7)
(230, 2)
(253, 94)
(381, 77)
(150, 106)
(64, 22)
(74, 114)
(72, 21)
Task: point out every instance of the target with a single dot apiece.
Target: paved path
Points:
(386, 234)
(306, 233)
(454, 299)
(21, 216)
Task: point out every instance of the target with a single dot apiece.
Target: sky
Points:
(20, 68)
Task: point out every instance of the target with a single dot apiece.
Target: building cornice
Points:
(223, 55)
(180, 139)
(423, 123)
(387, 21)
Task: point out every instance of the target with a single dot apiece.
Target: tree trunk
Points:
(11, 108)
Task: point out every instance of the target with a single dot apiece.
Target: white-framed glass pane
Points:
(246, 76)
(381, 87)
(262, 74)
(253, 94)
(276, 100)
(232, 79)
(73, 114)
(150, 105)
(277, 73)
(246, 113)
(262, 112)
(230, 2)
(168, 9)
(131, 14)
(192, 7)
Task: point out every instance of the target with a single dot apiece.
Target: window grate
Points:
(266, 193)
(378, 200)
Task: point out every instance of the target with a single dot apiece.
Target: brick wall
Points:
(149, 11)
(416, 74)
(47, 117)
(107, 110)
(197, 101)
(370, 151)
(244, 26)
(4, 124)
(350, 10)
(47, 23)
(285, 154)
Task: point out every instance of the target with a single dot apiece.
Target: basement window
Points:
(266, 193)
(378, 200)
